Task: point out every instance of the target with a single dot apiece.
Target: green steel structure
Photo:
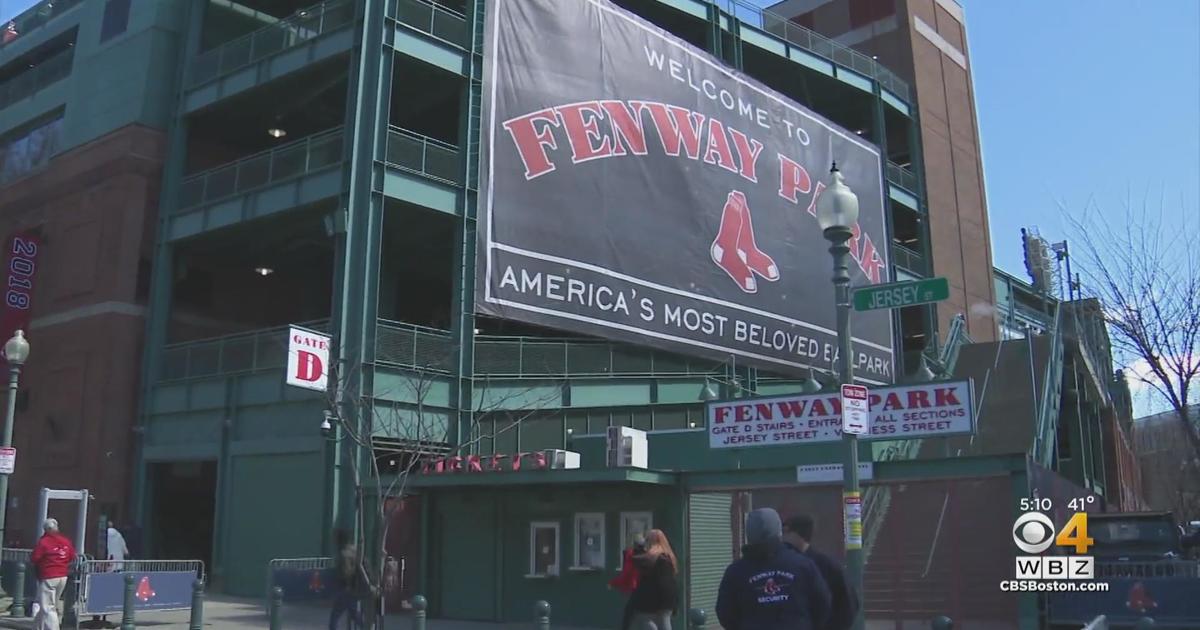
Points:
(322, 169)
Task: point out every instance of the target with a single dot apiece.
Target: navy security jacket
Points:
(773, 588)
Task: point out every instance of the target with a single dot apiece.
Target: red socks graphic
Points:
(735, 251)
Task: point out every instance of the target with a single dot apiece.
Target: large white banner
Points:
(908, 411)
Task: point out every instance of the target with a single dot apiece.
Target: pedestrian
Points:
(797, 534)
(771, 587)
(657, 594)
(348, 577)
(627, 580)
(117, 549)
(52, 559)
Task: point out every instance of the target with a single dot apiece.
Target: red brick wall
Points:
(96, 207)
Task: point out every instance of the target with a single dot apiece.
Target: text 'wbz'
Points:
(627, 303)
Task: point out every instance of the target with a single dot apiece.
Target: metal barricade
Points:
(9, 558)
(302, 579)
(162, 585)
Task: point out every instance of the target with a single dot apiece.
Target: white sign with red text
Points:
(856, 410)
(8, 460)
(900, 412)
(308, 359)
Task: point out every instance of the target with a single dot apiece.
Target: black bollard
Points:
(127, 608)
(696, 619)
(197, 620)
(942, 623)
(276, 608)
(541, 615)
(419, 605)
(18, 605)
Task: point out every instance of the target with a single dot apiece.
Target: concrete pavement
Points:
(231, 613)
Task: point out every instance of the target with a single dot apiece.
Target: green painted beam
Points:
(543, 477)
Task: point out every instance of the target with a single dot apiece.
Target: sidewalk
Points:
(231, 613)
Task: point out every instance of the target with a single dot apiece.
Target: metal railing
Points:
(34, 18)
(286, 161)
(291, 31)
(814, 42)
(532, 356)
(909, 259)
(245, 352)
(423, 155)
(48, 72)
(902, 177)
(435, 19)
(410, 345)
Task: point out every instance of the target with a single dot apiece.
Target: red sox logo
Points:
(735, 250)
(771, 588)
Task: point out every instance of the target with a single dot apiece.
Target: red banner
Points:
(20, 267)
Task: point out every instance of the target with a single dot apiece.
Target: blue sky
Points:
(9, 8)
(1077, 100)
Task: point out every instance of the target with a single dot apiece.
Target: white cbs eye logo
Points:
(1033, 532)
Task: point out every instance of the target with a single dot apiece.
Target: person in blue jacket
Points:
(772, 587)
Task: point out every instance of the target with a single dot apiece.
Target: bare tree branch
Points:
(374, 427)
(1146, 275)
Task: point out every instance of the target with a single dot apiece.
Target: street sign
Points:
(898, 412)
(831, 473)
(856, 410)
(8, 460)
(901, 294)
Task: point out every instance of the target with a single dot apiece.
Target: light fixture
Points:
(923, 373)
(837, 208)
(477, 331)
(326, 425)
(859, 132)
(276, 132)
(708, 393)
(692, 425)
(810, 385)
(264, 271)
(16, 349)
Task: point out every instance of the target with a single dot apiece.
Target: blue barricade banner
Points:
(155, 590)
(304, 584)
(1171, 602)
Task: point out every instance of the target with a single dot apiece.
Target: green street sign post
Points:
(901, 294)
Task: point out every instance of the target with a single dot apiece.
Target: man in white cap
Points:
(52, 559)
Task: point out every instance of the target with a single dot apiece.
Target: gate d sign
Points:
(308, 358)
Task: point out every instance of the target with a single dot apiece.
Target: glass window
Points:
(633, 524)
(116, 19)
(589, 540)
(543, 549)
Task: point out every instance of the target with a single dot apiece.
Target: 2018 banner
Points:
(636, 188)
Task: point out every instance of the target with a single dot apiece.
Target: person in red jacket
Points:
(52, 559)
(627, 580)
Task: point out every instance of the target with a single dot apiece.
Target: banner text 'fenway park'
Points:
(633, 187)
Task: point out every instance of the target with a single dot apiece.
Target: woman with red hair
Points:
(657, 594)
